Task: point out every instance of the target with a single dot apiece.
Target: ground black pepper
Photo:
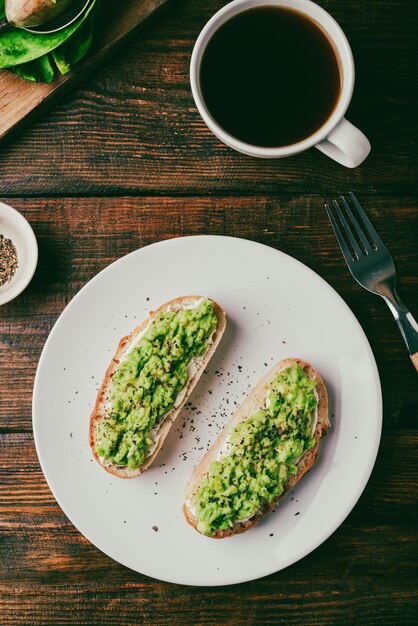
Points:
(8, 260)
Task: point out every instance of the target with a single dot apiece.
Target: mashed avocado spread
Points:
(148, 381)
(261, 453)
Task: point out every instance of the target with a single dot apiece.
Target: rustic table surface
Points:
(124, 161)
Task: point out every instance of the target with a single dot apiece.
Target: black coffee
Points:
(270, 76)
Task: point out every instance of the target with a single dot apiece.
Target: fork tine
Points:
(367, 223)
(352, 240)
(355, 224)
(339, 235)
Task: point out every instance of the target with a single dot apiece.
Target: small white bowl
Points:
(15, 227)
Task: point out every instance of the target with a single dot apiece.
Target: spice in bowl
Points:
(8, 260)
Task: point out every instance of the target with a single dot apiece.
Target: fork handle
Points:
(414, 359)
(407, 325)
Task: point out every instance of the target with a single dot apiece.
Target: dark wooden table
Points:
(125, 161)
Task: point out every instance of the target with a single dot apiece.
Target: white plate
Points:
(276, 308)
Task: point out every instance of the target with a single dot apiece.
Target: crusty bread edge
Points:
(97, 415)
(252, 403)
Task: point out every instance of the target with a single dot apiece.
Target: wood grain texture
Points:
(125, 161)
(133, 127)
(20, 99)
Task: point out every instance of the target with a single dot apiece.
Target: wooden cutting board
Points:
(21, 99)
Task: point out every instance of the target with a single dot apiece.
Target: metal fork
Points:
(371, 263)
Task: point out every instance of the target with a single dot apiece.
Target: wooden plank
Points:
(133, 128)
(20, 98)
(164, 605)
(80, 236)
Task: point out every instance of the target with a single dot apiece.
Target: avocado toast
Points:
(148, 381)
(268, 445)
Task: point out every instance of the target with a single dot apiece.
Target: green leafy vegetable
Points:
(39, 71)
(35, 56)
(73, 50)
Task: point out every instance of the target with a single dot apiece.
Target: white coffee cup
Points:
(337, 138)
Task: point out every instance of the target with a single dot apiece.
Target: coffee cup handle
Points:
(346, 144)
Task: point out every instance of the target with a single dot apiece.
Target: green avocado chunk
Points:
(148, 381)
(262, 453)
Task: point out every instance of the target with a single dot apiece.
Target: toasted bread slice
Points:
(254, 401)
(165, 424)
